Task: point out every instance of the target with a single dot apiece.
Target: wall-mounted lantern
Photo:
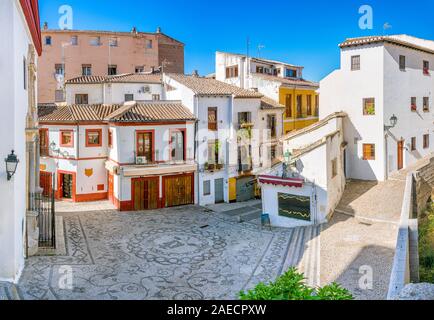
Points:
(11, 165)
(393, 122)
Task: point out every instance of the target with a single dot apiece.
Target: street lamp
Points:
(11, 165)
(287, 156)
(393, 122)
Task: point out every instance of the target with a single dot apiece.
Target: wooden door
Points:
(46, 183)
(400, 154)
(110, 188)
(178, 190)
(67, 182)
(145, 194)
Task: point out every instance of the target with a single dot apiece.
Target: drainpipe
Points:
(196, 144)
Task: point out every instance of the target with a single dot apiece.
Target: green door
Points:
(245, 188)
(219, 191)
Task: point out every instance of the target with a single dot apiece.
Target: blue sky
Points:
(302, 33)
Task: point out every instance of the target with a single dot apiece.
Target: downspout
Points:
(196, 145)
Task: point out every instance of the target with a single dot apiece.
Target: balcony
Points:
(212, 167)
(137, 170)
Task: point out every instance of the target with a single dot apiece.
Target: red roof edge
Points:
(279, 181)
(31, 12)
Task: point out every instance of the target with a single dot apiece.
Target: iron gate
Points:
(44, 204)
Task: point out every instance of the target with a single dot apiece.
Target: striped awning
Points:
(279, 181)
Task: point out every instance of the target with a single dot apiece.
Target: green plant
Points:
(291, 286)
(426, 245)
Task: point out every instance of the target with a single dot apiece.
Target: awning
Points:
(162, 169)
(279, 181)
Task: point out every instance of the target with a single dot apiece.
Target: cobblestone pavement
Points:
(180, 253)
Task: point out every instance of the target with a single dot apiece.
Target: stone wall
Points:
(424, 186)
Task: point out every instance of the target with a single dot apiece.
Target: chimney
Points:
(195, 73)
(158, 29)
(45, 25)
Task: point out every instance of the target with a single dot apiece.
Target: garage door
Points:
(245, 189)
(178, 190)
(293, 206)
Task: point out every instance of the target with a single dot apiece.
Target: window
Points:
(425, 104)
(74, 40)
(148, 44)
(145, 142)
(177, 141)
(426, 141)
(334, 167)
(355, 63)
(413, 144)
(140, 69)
(113, 42)
(59, 96)
(112, 70)
(95, 41)
(66, 138)
(129, 97)
(86, 69)
(299, 106)
(369, 106)
(426, 67)
(81, 99)
(59, 69)
(25, 73)
(48, 40)
(309, 105)
(259, 69)
(93, 137)
(271, 124)
(369, 152)
(413, 104)
(110, 139)
(43, 143)
(290, 73)
(317, 105)
(273, 153)
(155, 97)
(232, 72)
(402, 64)
(244, 118)
(213, 151)
(288, 105)
(207, 188)
(212, 119)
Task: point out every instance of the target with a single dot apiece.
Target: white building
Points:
(308, 190)
(20, 33)
(138, 155)
(114, 89)
(382, 77)
(237, 135)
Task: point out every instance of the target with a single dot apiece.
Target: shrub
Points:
(291, 286)
(426, 245)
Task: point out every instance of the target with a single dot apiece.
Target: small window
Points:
(81, 99)
(59, 96)
(148, 44)
(355, 63)
(426, 104)
(402, 63)
(95, 41)
(273, 153)
(86, 69)
(110, 139)
(207, 188)
(112, 70)
(113, 42)
(59, 69)
(74, 40)
(140, 69)
(93, 137)
(259, 69)
(156, 97)
(413, 103)
(413, 144)
(288, 105)
(334, 167)
(290, 73)
(48, 40)
(369, 152)
(67, 138)
(271, 124)
(426, 67)
(232, 72)
(369, 106)
(129, 97)
(244, 118)
(212, 119)
(426, 141)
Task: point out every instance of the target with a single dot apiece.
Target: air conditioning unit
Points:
(141, 160)
(146, 89)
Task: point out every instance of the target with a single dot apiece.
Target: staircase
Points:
(304, 253)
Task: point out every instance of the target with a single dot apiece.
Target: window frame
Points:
(365, 101)
(93, 145)
(111, 67)
(76, 40)
(355, 66)
(213, 125)
(184, 142)
(426, 141)
(129, 95)
(309, 105)
(232, 72)
(50, 38)
(61, 141)
(288, 108)
(372, 154)
(152, 133)
(208, 182)
(425, 105)
(413, 144)
(402, 62)
(82, 95)
(425, 67)
(86, 67)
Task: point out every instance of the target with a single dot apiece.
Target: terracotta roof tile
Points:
(267, 104)
(122, 78)
(212, 87)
